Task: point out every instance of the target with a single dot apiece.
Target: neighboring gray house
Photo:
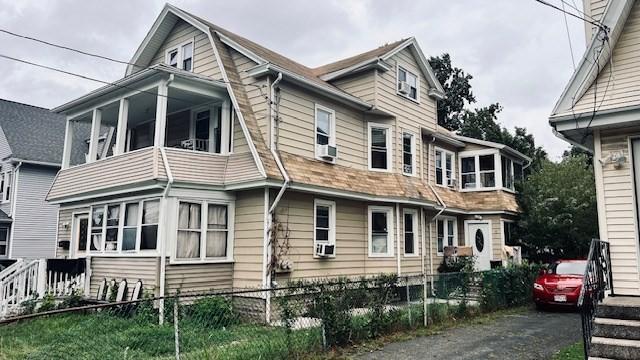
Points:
(31, 142)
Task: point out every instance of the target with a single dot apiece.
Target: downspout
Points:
(14, 197)
(276, 201)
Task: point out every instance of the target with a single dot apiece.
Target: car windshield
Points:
(569, 268)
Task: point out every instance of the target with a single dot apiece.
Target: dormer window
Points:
(181, 57)
(408, 84)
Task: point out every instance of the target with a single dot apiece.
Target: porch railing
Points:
(18, 286)
(597, 282)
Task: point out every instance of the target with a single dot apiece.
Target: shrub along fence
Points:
(304, 318)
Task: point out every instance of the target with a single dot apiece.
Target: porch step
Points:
(616, 328)
(619, 307)
(620, 349)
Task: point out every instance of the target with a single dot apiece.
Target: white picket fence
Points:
(29, 279)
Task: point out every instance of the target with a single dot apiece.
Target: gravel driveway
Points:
(529, 335)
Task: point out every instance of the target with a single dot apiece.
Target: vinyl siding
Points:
(362, 85)
(204, 60)
(213, 169)
(624, 84)
(620, 213)
(34, 225)
(297, 127)
(65, 216)
(130, 268)
(411, 264)
(248, 239)
(130, 168)
(198, 278)
(296, 211)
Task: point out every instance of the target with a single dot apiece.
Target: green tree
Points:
(559, 215)
(457, 86)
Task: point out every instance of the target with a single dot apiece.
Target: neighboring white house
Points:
(31, 142)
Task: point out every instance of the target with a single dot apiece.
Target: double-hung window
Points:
(379, 147)
(479, 171)
(408, 154)
(324, 231)
(508, 232)
(124, 227)
(408, 83)
(444, 167)
(410, 231)
(447, 233)
(4, 240)
(507, 173)
(380, 231)
(325, 127)
(181, 56)
(7, 179)
(203, 231)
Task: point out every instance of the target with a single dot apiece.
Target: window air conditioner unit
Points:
(404, 88)
(325, 250)
(452, 182)
(328, 152)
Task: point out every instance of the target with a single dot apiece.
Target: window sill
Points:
(416, 101)
(199, 261)
(117, 254)
(409, 174)
(333, 162)
(379, 256)
(411, 255)
(380, 170)
(479, 189)
(316, 257)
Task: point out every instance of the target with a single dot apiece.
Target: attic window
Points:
(407, 84)
(181, 56)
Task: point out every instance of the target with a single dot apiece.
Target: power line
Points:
(566, 25)
(593, 22)
(575, 7)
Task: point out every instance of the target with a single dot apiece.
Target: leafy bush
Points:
(507, 287)
(47, 303)
(212, 312)
(457, 264)
(71, 301)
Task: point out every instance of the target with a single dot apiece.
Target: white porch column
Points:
(95, 135)
(225, 119)
(121, 132)
(68, 144)
(161, 114)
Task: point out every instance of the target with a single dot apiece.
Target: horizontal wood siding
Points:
(212, 169)
(248, 239)
(34, 221)
(362, 85)
(623, 87)
(296, 212)
(204, 60)
(198, 278)
(620, 213)
(297, 134)
(130, 268)
(130, 168)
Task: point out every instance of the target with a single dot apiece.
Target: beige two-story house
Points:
(217, 163)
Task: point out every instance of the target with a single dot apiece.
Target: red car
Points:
(560, 284)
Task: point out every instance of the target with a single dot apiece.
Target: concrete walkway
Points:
(530, 335)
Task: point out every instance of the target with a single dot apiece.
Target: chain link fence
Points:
(301, 319)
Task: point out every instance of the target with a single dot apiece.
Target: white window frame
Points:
(390, 230)
(445, 239)
(447, 182)
(413, 153)
(332, 129)
(389, 146)
(497, 169)
(5, 242)
(402, 68)
(8, 180)
(119, 252)
(503, 227)
(332, 225)
(416, 232)
(180, 58)
(513, 173)
(204, 208)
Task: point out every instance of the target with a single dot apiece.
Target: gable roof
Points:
(34, 134)
(364, 57)
(614, 18)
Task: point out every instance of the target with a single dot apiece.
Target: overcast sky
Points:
(517, 50)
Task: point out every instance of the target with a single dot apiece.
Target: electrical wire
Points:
(566, 25)
(593, 22)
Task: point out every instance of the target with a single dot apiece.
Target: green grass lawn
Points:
(105, 336)
(572, 352)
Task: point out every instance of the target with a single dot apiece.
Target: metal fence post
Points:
(408, 301)
(176, 330)
(424, 300)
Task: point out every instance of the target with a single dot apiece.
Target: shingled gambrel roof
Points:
(356, 59)
(34, 134)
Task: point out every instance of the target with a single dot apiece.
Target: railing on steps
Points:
(597, 282)
(33, 279)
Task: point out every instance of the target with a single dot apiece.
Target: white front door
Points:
(478, 234)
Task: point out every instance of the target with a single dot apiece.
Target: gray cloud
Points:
(516, 50)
